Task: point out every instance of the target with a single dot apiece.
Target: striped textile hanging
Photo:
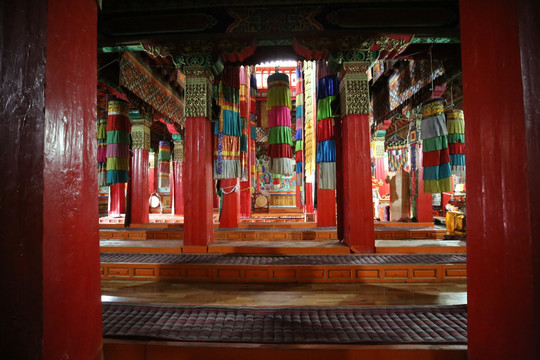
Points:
(253, 135)
(164, 167)
(279, 122)
(299, 148)
(327, 91)
(244, 118)
(436, 159)
(102, 151)
(228, 128)
(309, 118)
(455, 125)
(118, 140)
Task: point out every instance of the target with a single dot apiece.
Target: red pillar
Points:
(245, 198)
(178, 187)
(140, 132)
(309, 198)
(152, 173)
(49, 191)
(177, 183)
(501, 79)
(139, 182)
(230, 212)
(198, 184)
(424, 206)
(357, 205)
(326, 206)
(117, 199)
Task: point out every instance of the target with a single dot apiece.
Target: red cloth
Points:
(298, 156)
(434, 158)
(325, 129)
(457, 148)
(118, 122)
(280, 151)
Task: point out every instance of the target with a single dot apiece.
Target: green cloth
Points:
(324, 110)
(117, 137)
(280, 135)
(435, 144)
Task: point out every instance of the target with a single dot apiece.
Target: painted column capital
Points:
(198, 94)
(140, 133)
(178, 152)
(354, 88)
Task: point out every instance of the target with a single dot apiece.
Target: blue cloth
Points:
(299, 167)
(328, 86)
(457, 159)
(326, 151)
(232, 124)
(299, 111)
(253, 133)
(298, 134)
(253, 81)
(437, 172)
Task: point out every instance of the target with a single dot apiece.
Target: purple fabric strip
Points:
(118, 150)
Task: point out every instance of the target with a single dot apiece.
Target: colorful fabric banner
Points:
(327, 91)
(228, 128)
(102, 151)
(118, 140)
(309, 141)
(299, 128)
(164, 157)
(435, 160)
(279, 123)
(455, 123)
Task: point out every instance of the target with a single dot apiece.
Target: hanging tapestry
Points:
(164, 157)
(309, 135)
(299, 124)
(102, 151)
(279, 122)
(228, 128)
(436, 159)
(118, 140)
(455, 124)
(253, 120)
(245, 120)
(327, 91)
(398, 157)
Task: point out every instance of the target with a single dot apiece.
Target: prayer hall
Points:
(240, 179)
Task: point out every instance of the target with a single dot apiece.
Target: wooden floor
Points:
(284, 294)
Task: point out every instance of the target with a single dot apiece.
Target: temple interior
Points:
(237, 179)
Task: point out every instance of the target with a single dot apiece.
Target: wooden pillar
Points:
(230, 212)
(424, 206)
(140, 135)
(117, 199)
(326, 206)
(178, 178)
(49, 213)
(501, 88)
(198, 184)
(357, 204)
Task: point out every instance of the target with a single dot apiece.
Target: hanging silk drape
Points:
(102, 151)
(253, 135)
(436, 159)
(327, 91)
(279, 122)
(152, 171)
(164, 167)
(308, 141)
(228, 128)
(244, 118)
(118, 139)
(455, 125)
(299, 124)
